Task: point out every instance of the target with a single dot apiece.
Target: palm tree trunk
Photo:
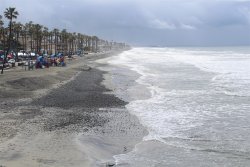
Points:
(10, 33)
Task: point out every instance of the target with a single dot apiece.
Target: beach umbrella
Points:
(10, 56)
(40, 58)
(59, 55)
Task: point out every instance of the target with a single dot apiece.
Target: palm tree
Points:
(31, 35)
(70, 39)
(38, 37)
(1, 34)
(1, 21)
(64, 43)
(56, 33)
(1, 24)
(88, 43)
(25, 36)
(74, 43)
(95, 40)
(80, 42)
(45, 38)
(10, 13)
(1, 29)
(17, 30)
(51, 42)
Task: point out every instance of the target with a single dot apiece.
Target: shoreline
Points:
(79, 115)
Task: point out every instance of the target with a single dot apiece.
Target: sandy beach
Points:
(63, 117)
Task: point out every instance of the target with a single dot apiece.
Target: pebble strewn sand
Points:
(56, 121)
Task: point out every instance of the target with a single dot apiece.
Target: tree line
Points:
(38, 38)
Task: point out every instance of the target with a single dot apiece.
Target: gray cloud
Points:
(153, 22)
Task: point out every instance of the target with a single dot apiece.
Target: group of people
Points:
(47, 61)
(32, 60)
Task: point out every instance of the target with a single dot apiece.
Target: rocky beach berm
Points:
(63, 116)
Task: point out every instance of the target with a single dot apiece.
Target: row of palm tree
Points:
(36, 38)
(10, 14)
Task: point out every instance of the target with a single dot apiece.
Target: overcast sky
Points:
(144, 22)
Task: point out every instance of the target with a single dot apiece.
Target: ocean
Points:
(194, 102)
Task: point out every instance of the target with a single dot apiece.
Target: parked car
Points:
(11, 61)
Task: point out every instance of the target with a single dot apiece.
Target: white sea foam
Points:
(188, 89)
(232, 67)
(163, 109)
(173, 109)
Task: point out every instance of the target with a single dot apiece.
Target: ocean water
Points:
(197, 109)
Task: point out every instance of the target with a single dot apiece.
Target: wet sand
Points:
(64, 117)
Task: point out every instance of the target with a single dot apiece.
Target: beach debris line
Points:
(85, 68)
(109, 164)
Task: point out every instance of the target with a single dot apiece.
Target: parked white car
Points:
(22, 54)
(11, 61)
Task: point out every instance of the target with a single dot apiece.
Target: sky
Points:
(144, 22)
